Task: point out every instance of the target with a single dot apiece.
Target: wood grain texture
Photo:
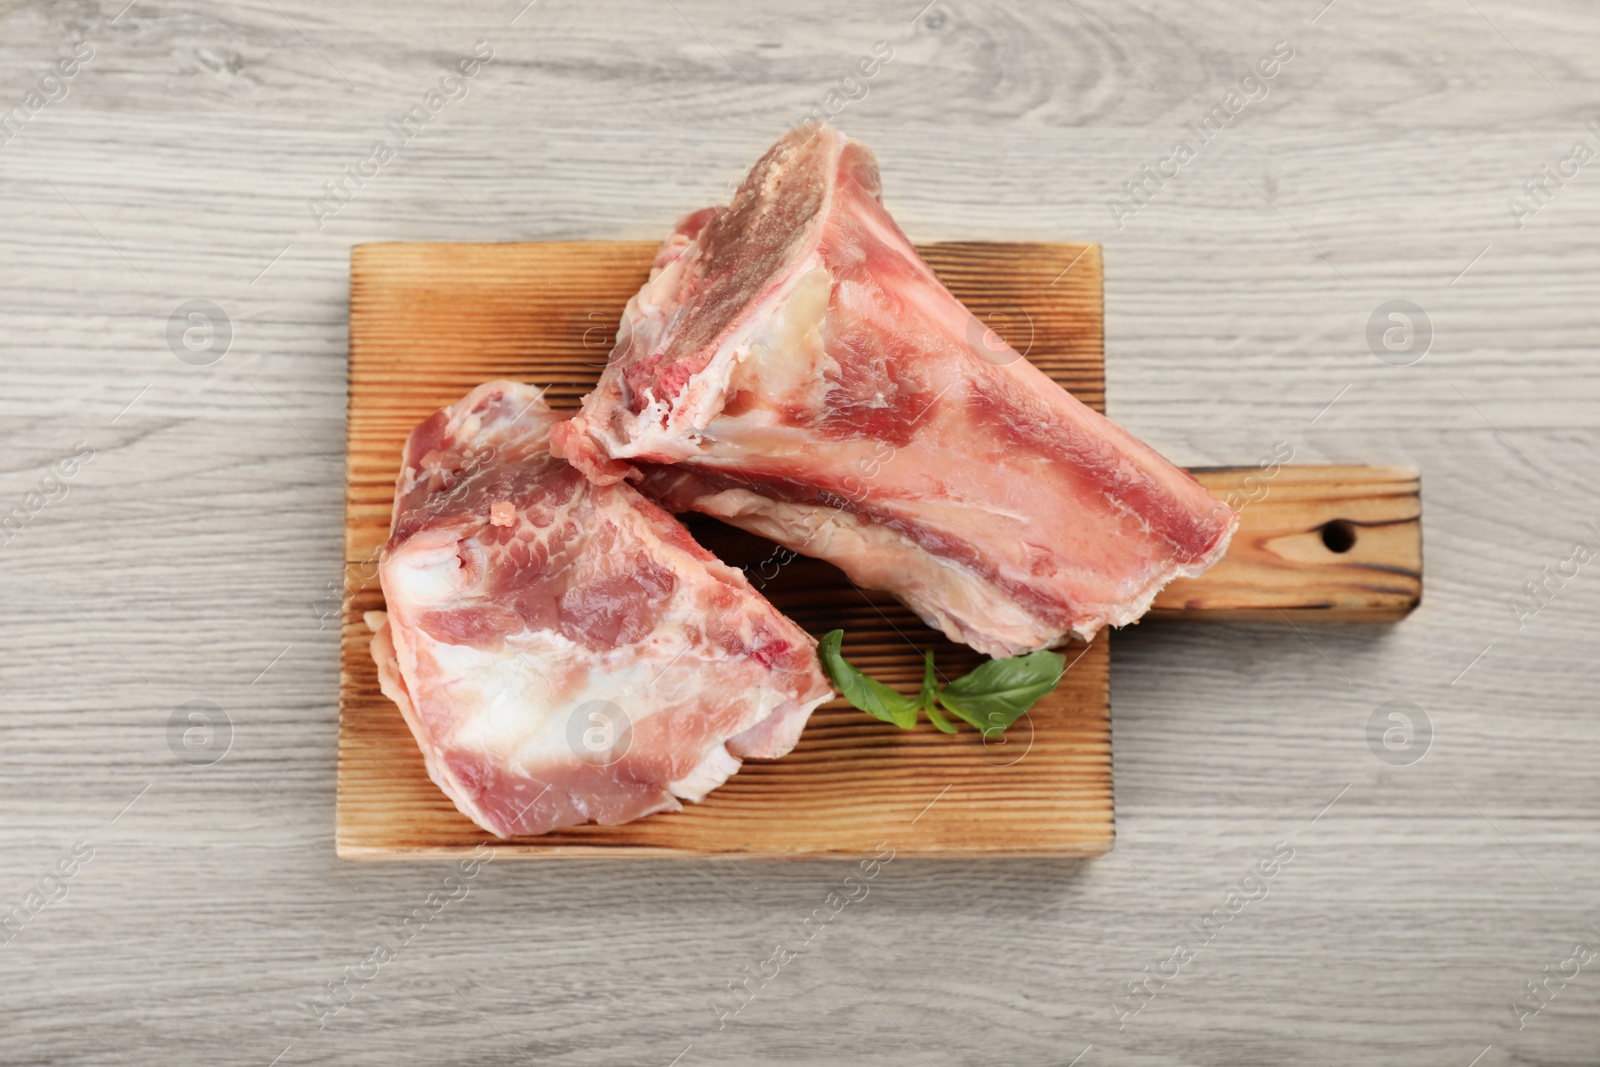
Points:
(1327, 544)
(430, 321)
(203, 538)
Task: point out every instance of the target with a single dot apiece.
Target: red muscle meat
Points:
(564, 652)
(794, 368)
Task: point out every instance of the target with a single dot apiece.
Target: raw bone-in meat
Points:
(565, 652)
(805, 375)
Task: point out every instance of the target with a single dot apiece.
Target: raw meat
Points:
(794, 368)
(565, 652)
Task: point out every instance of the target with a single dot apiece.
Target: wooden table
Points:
(173, 598)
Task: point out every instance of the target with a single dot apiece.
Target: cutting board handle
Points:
(1341, 544)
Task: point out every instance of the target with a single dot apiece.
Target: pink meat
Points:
(565, 652)
(794, 368)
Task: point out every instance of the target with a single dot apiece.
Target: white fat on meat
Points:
(565, 652)
(795, 348)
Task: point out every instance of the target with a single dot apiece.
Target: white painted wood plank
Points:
(192, 553)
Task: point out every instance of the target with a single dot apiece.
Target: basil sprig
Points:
(991, 698)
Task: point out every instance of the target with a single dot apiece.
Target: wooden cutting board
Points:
(430, 321)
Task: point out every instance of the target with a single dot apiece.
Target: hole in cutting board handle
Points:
(1339, 535)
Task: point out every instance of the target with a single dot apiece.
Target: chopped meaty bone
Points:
(793, 367)
(578, 658)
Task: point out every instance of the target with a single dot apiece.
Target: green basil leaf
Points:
(940, 723)
(928, 699)
(867, 694)
(930, 682)
(996, 694)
